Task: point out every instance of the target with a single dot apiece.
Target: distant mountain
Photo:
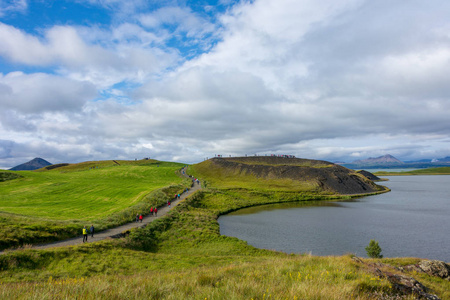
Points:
(426, 160)
(445, 159)
(390, 162)
(33, 164)
(382, 160)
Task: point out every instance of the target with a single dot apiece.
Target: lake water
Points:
(413, 220)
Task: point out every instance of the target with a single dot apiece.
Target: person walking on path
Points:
(85, 234)
(137, 218)
(151, 211)
(140, 218)
(113, 232)
(92, 230)
(168, 204)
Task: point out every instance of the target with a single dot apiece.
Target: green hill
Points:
(52, 202)
(283, 174)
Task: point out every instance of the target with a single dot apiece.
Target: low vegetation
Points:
(428, 171)
(183, 256)
(5, 175)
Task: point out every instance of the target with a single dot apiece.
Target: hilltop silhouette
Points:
(34, 164)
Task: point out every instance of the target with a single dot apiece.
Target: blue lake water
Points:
(413, 220)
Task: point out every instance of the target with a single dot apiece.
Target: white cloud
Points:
(7, 7)
(183, 18)
(37, 93)
(103, 66)
(337, 79)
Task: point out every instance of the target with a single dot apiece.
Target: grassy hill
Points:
(52, 202)
(283, 174)
(183, 256)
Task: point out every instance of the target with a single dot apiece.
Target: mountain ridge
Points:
(385, 159)
(34, 164)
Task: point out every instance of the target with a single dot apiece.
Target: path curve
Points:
(117, 231)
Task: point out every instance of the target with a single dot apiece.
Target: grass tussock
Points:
(8, 175)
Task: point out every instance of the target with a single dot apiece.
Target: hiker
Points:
(140, 218)
(151, 210)
(179, 196)
(85, 234)
(137, 218)
(156, 212)
(92, 230)
(168, 204)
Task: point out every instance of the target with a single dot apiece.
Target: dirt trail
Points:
(98, 236)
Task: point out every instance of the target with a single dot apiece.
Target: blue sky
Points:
(184, 80)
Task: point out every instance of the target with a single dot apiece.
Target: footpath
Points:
(118, 231)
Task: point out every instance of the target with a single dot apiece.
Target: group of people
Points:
(153, 212)
(139, 217)
(86, 232)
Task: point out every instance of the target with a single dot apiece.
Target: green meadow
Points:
(183, 256)
(43, 204)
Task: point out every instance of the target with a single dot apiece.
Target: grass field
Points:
(428, 171)
(88, 191)
(183, 256)
(51, 204)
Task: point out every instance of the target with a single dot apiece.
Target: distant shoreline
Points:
(428, 171)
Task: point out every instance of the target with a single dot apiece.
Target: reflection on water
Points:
(411, 220)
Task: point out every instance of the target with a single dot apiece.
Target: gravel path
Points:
(98, 236)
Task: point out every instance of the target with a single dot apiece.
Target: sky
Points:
(339, 80)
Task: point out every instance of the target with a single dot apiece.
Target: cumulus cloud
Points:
(339, 80)
(64, 47)
(37, 93)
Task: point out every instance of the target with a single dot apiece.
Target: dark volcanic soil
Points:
(328, 176)
(369, 175)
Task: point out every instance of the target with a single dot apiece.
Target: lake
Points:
(413, 220)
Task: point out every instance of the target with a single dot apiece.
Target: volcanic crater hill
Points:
(325, 176)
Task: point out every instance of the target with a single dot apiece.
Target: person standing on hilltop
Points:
(85, 234)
